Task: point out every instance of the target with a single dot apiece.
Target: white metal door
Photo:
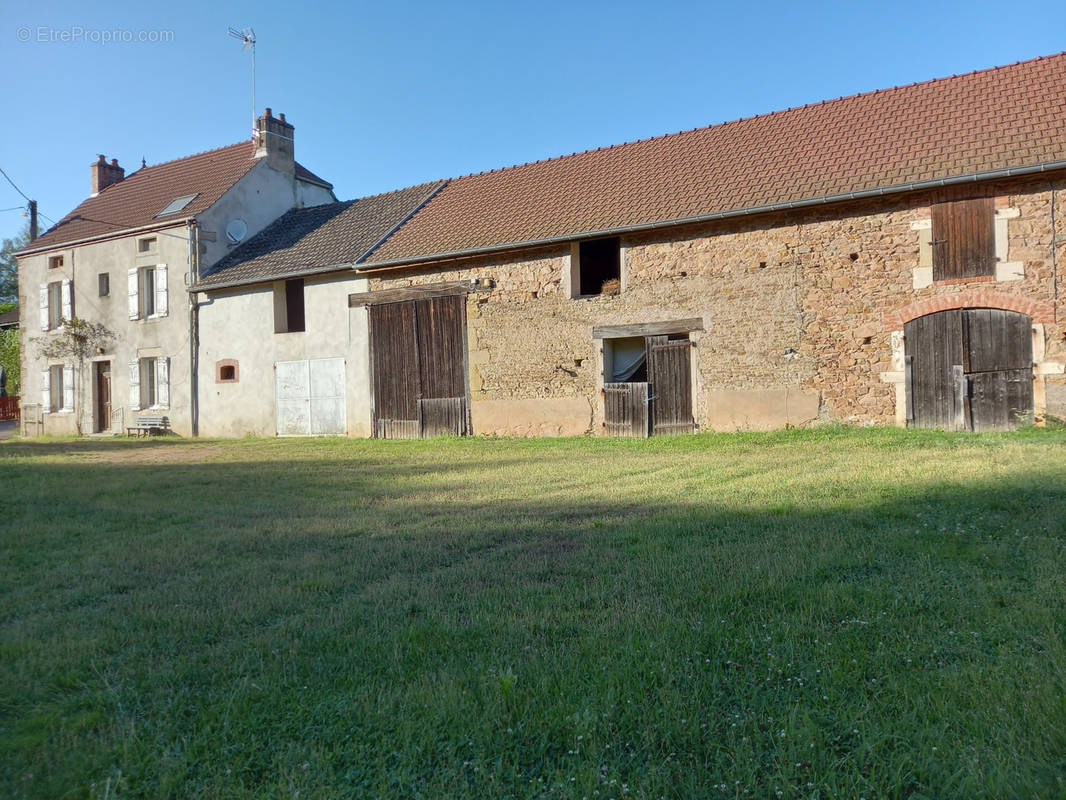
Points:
(327, 397)
(293, 398)
(310, 397)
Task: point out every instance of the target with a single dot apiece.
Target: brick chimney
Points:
(273, 139)
(104, 174)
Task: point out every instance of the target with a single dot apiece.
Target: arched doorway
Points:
(969, 369)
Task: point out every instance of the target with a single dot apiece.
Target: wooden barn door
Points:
(969, 369)
(418, 365)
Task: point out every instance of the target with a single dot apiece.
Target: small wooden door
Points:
(419, 368)
(102, 379)
(969, 369)
(625, 408)
(670, 376)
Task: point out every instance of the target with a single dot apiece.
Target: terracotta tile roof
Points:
(315, 239)
(1009, 116)
(137, 200)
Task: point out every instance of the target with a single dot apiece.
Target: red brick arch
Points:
(1039, 310)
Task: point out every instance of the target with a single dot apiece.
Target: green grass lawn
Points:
(831, 613)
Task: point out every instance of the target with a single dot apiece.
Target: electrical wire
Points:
(14, 185)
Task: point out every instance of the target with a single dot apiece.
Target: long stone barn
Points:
(886, 258)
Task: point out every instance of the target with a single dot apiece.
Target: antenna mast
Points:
(247, 36)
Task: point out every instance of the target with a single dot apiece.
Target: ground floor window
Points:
(150, 383)
(57, 388)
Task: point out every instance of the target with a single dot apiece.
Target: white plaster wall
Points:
(259, 198)
(311, 194)
(161, 337)
(239, 324)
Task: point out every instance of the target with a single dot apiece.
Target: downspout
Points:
(194, 328)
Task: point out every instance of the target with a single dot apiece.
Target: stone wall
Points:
(796, 310)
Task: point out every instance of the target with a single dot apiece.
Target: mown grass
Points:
(830, 613)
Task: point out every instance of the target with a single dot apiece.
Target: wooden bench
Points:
(149, 426)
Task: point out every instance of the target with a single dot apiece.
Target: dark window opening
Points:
(628, 362)
(294, 304)
(145, 245)
(226, 371)
(289, 307)
(104, 283)
(55, 262)
(600, 264)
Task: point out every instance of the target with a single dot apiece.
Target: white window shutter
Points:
(44, 306)
(68, 387)
(46, 389)
(162, 382)
(135, 385)
(131, 286)
(68, 301)
(161, 290)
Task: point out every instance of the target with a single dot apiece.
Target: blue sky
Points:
(385, 95)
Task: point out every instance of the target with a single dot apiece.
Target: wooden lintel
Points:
(424, 292)
(647, 328)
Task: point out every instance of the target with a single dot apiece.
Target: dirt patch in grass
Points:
(170, 454)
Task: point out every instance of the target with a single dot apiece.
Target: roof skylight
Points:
(177, 204)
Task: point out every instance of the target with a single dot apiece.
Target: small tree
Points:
(76, 341)
(9, 277)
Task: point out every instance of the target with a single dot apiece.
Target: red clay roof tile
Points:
(982, 121)
(137, 200)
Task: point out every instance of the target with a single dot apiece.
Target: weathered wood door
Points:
(663, 404)
(419, 368)
(969, 369)
(625, 408)
(670, 376)
(103, 396)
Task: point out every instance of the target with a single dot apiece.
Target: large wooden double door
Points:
(419, 368)
(969, 369)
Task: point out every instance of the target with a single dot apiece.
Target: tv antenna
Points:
(247, 37)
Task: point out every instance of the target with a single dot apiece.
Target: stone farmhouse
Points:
(125, 257)
(886, 258)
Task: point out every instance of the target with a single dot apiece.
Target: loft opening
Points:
(599, 267)
(289, 306)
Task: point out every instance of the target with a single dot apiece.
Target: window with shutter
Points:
(135, 385)
(67, 300)
(160, 281)
(162, 382)
(44, 307)
(964, 239)
(67, 400)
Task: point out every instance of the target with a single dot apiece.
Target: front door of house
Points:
(102, 377)
(969, 369)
